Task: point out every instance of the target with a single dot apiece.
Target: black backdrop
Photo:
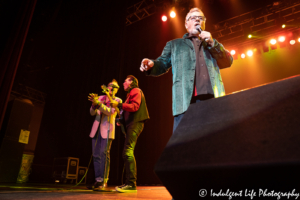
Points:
(74, 47)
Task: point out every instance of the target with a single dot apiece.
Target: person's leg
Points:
(105, 158)
(196, 99)
(177, 120)
(96, 156)
(132, 134)
(103, 164)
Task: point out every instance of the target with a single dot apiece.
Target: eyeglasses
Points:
(193, 18)
(112, 85)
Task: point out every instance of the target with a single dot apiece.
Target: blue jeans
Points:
(101, 150)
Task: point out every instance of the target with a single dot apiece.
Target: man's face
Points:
(193, 21)
(112, 90)
(127, 83)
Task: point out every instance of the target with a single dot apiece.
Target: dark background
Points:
(73, 47)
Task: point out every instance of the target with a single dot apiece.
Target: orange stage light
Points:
(292, 42)
(273, 41)
(250, 53)
(243, 55)
(281, 39)
(232, 52)
(172, 14)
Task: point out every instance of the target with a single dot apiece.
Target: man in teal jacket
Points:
(196, 60)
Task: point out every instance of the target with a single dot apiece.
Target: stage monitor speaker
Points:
(17, 118)
(81, 173)
(65, 168)
(247, 141)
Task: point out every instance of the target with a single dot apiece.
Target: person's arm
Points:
(106, 110)
(93, 110)
(94, 98)
(135, 99)
(98, 106)
(223, 57)
(159, 66)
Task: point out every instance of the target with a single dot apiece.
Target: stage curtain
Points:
(15, 18)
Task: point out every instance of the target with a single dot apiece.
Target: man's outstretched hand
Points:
(146, 64)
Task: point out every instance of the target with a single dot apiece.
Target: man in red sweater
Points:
(135, 114)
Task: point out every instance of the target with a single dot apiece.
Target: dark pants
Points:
(195, 99)
(101, 157)
(132, 134)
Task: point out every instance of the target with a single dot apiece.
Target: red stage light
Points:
(232, 52)
(164, 18)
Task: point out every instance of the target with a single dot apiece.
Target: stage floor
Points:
(60, 191)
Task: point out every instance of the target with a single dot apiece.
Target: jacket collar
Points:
(186, 35)
(188, 42)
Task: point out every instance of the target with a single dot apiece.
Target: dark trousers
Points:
(132, 134)
(195, 99)
(101, 157)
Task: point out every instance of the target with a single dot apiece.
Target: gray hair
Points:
(191, 11)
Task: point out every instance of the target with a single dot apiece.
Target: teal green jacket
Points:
(180, 55)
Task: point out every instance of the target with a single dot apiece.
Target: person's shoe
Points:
(91, 187)
(126, 189)
(100, 186)
(120, 186)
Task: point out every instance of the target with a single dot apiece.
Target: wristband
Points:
(96, 106)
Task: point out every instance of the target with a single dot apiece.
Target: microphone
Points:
(198, 28)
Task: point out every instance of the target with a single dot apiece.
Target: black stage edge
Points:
(248, 140)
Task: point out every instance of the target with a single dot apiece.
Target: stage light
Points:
(298, 39)
(281, 39)
(164, 18)
(273, 41)
(249, 36)
(292, 42)
(234, 54)
(273, 44)
(250, 53)
(283, 26)
(172, 14)
(243, 55)
(265, 47)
